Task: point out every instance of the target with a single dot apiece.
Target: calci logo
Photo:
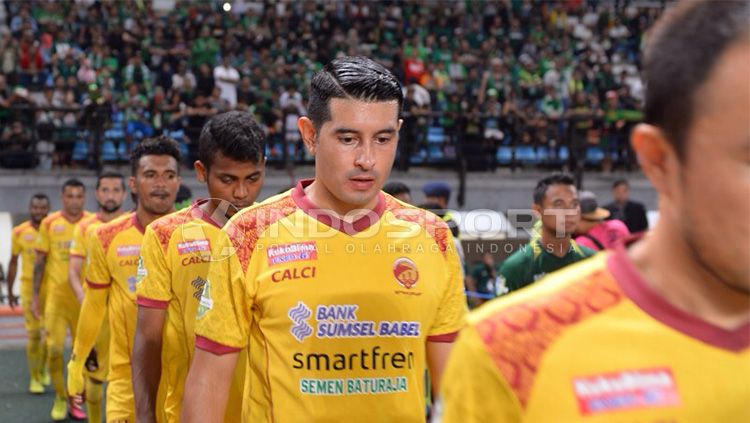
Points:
(405, 272)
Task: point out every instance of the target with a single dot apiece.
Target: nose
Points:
(240, 191)
(365, 158)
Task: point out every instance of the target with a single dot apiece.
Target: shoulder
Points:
(47, 221)
(107, 232)
(21, 227)
(428, 221)
(516, 259)
(164, 227)
(528, 322)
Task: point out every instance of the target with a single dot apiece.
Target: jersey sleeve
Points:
(42, 241)
(451, 314)
(78, 246)
(472, 388)
(97, 272)
(153, 280)
(223, 317)
(15, 243)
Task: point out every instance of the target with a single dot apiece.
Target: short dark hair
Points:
(354, 77)
(555, 179)
(73, 182)
(396, 188)
(158, 146)
(234, 134)
(681, 52)
(619, 182)
(39, 196)
(110, 175)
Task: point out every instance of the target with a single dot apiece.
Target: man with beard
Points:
(23, 240)
(113, 251)
(177, 250)
(51, 268)
(656, 330)
(556, 202)
(110, 194)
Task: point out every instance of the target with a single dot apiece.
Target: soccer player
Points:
(113, 251)
(658, 329)
(556, 201)
(343, 294)
(51, 267)
(110, 194)
(176, 253)
(23, 242)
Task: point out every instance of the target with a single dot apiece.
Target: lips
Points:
(362, 183)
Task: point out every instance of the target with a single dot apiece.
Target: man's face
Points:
(621, 193)
(560, 211)
(156, 183)
(38, 209)
(713, 205)
(354, 150)
(232, 185)
(110, 194)
(73, 199)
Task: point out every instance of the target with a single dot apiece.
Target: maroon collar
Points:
(637, 289)
(197, 211)
(137, 224)
(328, 218)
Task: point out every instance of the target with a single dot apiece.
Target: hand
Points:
(12, 301)
(75, 380)
(35, 306)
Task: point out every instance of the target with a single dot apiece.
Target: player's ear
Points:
(308, 132)
(131, 185)
(200, 171)
(657, 157)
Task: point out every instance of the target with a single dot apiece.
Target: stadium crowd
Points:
(489, 73)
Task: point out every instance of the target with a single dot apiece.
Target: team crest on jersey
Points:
(206, 302)
(128, 250)
(626, 390)
(406, 272)
(141, 272)
(287, 253)
(193, 246)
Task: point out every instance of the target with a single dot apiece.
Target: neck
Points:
(71, 217)
(106, 217)
(208, 208)
(685, 282)
(145, 217)
(556, 246)
(323, 200)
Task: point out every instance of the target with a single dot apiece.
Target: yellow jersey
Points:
(175, 256)
(22, 243)
(79, 247)
(593, 342)
(55, 236)
(336, 314)
(114, 248)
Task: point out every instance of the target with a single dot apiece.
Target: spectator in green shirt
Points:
(556, 201)
(484, 280)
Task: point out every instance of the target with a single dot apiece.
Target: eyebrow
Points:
(389, 130)
(229, 175)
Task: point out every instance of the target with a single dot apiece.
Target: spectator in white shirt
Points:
(227, 78)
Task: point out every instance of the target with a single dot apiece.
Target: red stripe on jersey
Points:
(95, 285)
(447, 337)
(213, 347)
(151, 303)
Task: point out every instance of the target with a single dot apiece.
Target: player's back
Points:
(595, 342)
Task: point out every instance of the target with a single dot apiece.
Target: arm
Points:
(437, 357)
(74, 276)
(12, 269)
(39, 266)
(89, 323)
(207, 386)
(146, 361)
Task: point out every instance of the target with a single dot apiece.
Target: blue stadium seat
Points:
(435, 135)
(109, 151)
(435, 153)
(80, 151)
(504, 155)
(526, 155)
(594, 155)
(564, 153)
(419, 157)
(543, 154)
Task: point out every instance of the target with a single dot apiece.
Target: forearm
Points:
(12, 269)
(74, 276)
(90, 321)
(146, 363)
(39, 267)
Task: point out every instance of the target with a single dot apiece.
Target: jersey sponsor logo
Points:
(406, 272)
(341, 321)
(58, 228)
(28, 237)
(299, 315)
(375, 358)
(187, 261)
(354, 386)
(198, 284)
(294, 273)
(132, 281)
(626, 390)
(287, 253)
(193, 246)
(206, 302)
(128, 250)
(141, 272)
